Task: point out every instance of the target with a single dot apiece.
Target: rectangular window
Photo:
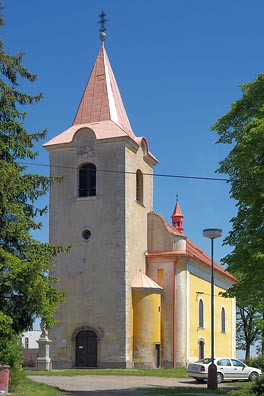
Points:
(160, 279)
(26, 343)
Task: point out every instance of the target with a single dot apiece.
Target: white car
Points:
(227, 369)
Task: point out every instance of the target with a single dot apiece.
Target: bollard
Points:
(4, 379)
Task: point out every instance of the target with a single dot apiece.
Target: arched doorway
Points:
(86, 349)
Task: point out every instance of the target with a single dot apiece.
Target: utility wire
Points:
(133, 173)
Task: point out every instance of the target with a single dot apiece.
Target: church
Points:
(137, 288)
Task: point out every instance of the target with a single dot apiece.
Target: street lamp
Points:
(212, 233)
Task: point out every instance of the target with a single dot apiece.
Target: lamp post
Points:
(212, 233)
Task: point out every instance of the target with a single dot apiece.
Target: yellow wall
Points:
(223, 341)
(146, 310)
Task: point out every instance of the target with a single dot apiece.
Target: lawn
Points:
(30, 388)
(168, 373)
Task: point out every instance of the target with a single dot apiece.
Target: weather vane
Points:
(102, 22)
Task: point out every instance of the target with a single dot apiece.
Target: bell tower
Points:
(177, 217)
(100, 210)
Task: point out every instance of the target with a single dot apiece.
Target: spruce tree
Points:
(26, 290)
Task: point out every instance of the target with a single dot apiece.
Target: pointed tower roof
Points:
(101, 100)
(177, 217)
(101, 108)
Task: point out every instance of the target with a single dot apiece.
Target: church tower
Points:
(100, 210)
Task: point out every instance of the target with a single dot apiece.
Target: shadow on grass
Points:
(153, 391)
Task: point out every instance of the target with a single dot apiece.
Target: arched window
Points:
(139, 186)
(87, 180)
(223, 324)
(201, 314)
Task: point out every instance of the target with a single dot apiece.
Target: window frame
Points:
(201, 313)
(223, 320)
(26, 343)
(139, 186)
(87, 180)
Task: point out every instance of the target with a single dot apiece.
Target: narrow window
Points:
(26, 343)
(87, 180)
(139, 186)
(223, 324)
(160, 277)
(201, 314)
(201, 349)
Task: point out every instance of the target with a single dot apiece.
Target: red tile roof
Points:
(194, 252)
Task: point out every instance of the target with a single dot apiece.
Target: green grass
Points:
(168, 373)
(29, 388)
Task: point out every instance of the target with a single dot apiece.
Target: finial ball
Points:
(102, 36)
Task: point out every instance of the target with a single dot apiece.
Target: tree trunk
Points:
(247, 352)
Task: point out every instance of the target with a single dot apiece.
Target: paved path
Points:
(111, 385)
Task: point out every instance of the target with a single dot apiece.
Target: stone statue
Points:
(44, 331)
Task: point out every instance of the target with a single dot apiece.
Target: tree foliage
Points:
(242, 127)
(25, 285)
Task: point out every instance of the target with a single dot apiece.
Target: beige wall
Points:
(97, 274)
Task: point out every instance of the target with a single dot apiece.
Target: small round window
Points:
(86, 234)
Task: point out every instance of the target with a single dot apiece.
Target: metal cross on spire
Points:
(102, 22)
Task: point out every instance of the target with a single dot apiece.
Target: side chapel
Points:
(137, 288)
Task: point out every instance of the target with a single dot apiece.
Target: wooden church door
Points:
(86, 349)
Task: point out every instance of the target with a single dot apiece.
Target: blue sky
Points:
(178, 65)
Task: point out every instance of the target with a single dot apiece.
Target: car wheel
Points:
(253, 376)
(220, 378)
(200, 380)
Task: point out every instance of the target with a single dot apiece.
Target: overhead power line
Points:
(133, 173)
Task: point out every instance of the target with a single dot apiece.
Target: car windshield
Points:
(205, 361)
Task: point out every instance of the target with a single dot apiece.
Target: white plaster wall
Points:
(32, 337)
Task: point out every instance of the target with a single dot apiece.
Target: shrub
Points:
(257, 362)
(258, 387)
(14, 378)
(11, 354)
(10, 351)
(250, 389)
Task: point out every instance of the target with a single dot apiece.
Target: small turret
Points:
(177, 217)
